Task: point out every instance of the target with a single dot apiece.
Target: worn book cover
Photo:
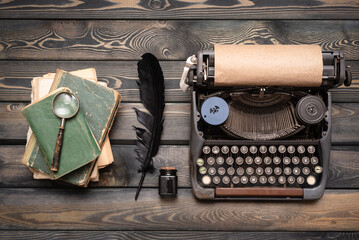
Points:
(79, 145)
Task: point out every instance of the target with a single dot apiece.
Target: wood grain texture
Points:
(172, 235)
(343, 169)
(115, 209)
(13, 126)
(162, 9)
(175, 40)
(16, 76)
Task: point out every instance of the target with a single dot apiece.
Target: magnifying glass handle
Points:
(58, 147)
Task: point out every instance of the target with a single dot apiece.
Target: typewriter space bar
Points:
(259, 192)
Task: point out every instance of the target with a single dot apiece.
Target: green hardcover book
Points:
(79, 145)
(99, 105)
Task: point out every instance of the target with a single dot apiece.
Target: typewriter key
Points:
(226, 180)
(311, 180)
(311, 149)
(225, 149)
(229, 160)
(253, 149)
(231, 171)
(211, 160)
(234, 149)
(281, 180)
(235, 180)
(286, 160)
(206, 179)
(215, 149)
(206, 150)
(314, 160)
(258, 160)
(291, 179)
(240, 171)
(216, 180)
(291, 149)
(277, 171)
(249, 160)
(244, 180)
(287, 171)
(244, 149)
(253, 179)
(200, 162)
(239, 160)
(301, 149)
(263, 180)
(318, 169)
(306, 170)
(212, 171)
(267, 160)
(305, 160)
(276, 160)
(263, 149)
(249, 171)
(202, 170)
(281, 149)
(295, 160)
(220, 160)
(300, 180)
(271, 180)
(296, 171)
(221, 171)
(272, 149)
(268, 170)
(259, 171)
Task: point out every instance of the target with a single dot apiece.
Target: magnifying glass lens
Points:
(65, 105)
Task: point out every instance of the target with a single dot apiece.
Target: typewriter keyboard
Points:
(259, 165)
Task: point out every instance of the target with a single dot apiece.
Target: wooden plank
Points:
(189, 235)
(343, 169)
(16, 76)
(115, 209)
(175, 40)
(13, 126)
(159, 9)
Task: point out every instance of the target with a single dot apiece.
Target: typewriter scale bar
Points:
(259, 170)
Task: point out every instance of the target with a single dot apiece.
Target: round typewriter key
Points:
(235, 180)
(268, 170)
(305, 160)
(202, 170)
(253, 149)
(287, 171)
(200, 162)
(296, 171)
(291, 179)
(277, 171)
(229, 160)
(276, 160)
(295, 160)
(267, 160)
(206, 150)
(206, 179)
(239, 160)
(249, 171)
(231, 171)
(226, 180)
(215, 149)
(244, 149)
(311, 149)
(240, 171)
(225, 149)
(291, 149)
(318, 169)
(314, 160)
(244, 180)
(221, 171)
(249, 160)
(281, 180)
(253, 179)
(263, 149)
(272, 149)
(301, 149)
(263, 179)
(215, 111)
(258, 160)
(216, 180)
(281, 149)
(271, 180)
(234, 149)
(259, 171)
(212, 171)
(306, 170)
(211, 160)
(220, 160)
(286, 160)
(300, 180)
(311, 180)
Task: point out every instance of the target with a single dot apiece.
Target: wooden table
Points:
(37, 38)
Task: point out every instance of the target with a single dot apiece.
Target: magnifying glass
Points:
(65, 105)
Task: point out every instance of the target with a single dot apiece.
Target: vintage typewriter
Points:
(260, 140)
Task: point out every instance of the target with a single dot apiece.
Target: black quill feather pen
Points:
(151, 85)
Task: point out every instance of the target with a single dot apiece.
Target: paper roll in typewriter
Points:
(261, 120)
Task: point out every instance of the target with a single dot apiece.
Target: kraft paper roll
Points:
(268, 65)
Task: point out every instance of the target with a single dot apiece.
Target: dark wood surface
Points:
(40, 37)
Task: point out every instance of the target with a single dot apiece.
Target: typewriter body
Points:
(259, 142)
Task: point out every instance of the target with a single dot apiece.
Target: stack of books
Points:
(86, 147)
